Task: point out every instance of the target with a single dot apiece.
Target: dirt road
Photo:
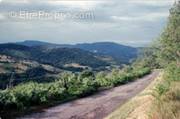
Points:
(97, 106)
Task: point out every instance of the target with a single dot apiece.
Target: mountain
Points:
(120, 53)
(42, 62)
(58, 57)
(31, 43)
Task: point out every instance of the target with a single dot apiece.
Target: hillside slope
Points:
(57, 57)
(120, 53)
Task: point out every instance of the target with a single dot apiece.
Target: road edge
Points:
(139, 106)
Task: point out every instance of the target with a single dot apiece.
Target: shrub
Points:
(118, 77)
(7, 100)
(25, 95)
(104, 79)
(172, 72)
(162, 88)
(68, 86)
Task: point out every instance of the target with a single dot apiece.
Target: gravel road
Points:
(96, 106)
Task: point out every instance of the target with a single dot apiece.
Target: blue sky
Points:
(129, 22)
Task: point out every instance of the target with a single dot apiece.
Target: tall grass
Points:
(167, 104)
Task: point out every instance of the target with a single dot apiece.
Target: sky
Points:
(129, 22)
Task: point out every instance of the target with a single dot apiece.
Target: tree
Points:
(148, 58)
(170, 38)
(86, 74)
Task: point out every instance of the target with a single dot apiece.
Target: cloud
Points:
(2, 17)
(144, 17)
(86, 4)
(15, 1)
(76, 4)
(114, 21)
(152, 2)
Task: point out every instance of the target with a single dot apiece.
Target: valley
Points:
(43, 62)
(120, 61)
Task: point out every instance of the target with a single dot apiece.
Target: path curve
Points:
(97, 106)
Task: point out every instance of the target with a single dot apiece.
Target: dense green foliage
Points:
(169, 51)
(170, 38)
(117, 77)
(165, 52)
(30, 94)
(37, 74)
(68, 86)
(168, 57)
(148, 58)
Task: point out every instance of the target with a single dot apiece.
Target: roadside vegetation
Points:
(139, 106)
(165, 54)
(163, 101)
(167, 95)
(168, 91)
(67, 87)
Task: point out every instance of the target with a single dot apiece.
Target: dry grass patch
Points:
(138, 107)
(168, 106)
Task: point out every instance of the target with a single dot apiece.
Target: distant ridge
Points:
(57, 57)
(31, 43)
(121, 53)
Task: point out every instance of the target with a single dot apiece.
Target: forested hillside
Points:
(21, 63)
(57, 57)
(120, 53)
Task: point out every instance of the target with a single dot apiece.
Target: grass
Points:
(168, 105)
(167, 94)
(139, 106)
(161, 100)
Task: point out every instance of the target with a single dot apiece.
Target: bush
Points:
(118, 77)
(172, 72)
(7, 100)
(68, 86)
(104, 80)
(162, 88)
(25, 95)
